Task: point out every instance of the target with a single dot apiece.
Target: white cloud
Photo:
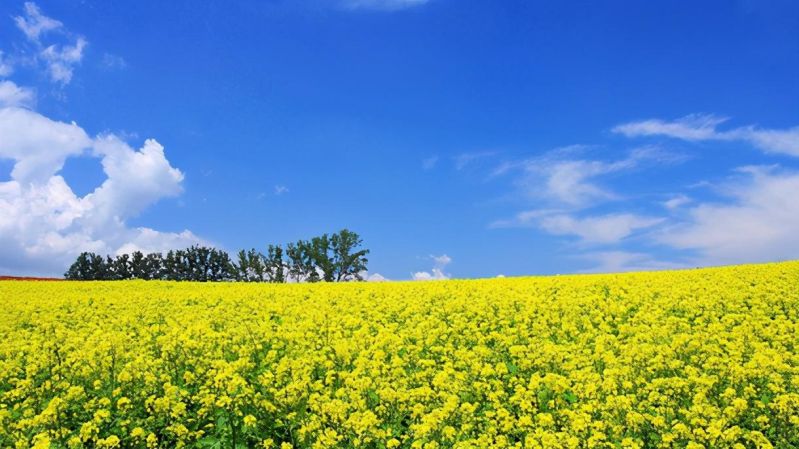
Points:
(13, 95)
(677, 201)
(597, 229)
(758, 223)
(562, 180)
(375, 277)
(6, 68)
(382, 5)
(113, 62)
(464, 159)
(619, 261)
(33, 23)
(44, 224)
(569, 182)
(524, 219)
(701, 127)
(692, 127)
(37, 144)
(442, 260)
(437, 273)
(281, 189)
(149, 240)
(136, 179)
(59, 59)
(602, 229)
(429, 163)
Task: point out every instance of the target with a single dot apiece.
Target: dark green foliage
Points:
(274, 265)
(333, 258)
(88, 267)
(348, 261)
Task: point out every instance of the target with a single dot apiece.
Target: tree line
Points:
(327, 258)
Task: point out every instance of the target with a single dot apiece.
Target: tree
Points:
(320, 253)
(120, 267)
(243, 267)
(347, 262)
(251, 266)
(274, 265)
(329, 258)
(301, 263)
(171, 266)
(138, 266)
(218, 266)
(87, 267)
(153, 266)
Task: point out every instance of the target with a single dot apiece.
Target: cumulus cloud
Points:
(375, 277)
(44, 224)
(704, 127)
(39, 146)
(382, 5)
(757, 223)
(13, 95)
(437, 272)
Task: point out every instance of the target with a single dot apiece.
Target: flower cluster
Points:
(683, 359)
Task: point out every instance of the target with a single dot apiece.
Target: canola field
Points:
(683, 359)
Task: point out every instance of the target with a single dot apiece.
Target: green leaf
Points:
(209, 442)
(512, 368)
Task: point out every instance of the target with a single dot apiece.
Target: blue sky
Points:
(459, 138)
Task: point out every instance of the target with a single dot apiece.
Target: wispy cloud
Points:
(61, 60)
(620, 261)
(113, 62)
(33, 23)
(58, 59)
(280, 190)
(757, 221)
(564, 180)
(382, 5)
(599, 229)
(429, 163)
(677, 201)
(465, 159)
(704, 127)
(6, 68)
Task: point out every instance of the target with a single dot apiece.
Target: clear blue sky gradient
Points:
(365, 115)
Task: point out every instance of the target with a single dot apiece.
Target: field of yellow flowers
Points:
(683, 359)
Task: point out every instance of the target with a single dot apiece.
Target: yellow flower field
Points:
(685, 359)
